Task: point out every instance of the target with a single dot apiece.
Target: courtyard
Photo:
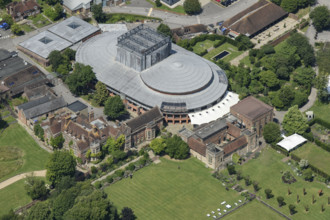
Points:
(172, 190)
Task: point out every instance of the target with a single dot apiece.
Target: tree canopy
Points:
(94, 206)
(3, 3)
(164, 29)
(81, 79)
(127, 214)
(177, 148)
(321, 18)
(98, 13)
(290, 5)
(60, 164)
(294, 121)
(114, 107)
(158, 145)
(54, 13)
(57, 142)
(40, 211)
(101, 94)
(35, 188)
(271, 132)
(192, 7)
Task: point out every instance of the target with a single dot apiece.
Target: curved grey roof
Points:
(181, 72)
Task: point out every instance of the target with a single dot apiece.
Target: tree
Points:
(278, 2)
(256, 186)
(69, 54)
(294, 121)
(177, 148)
(127, 214)
(269, 79)
(3, 3)
(231, 169)
(66, 183)
(81, 79)
(271, 132)
(280, 201)
(308, 175)
(292, 209)
(40, 211)
(158, 3)
(94, 206)
(158, 145)
(16, 29)
(64, 201)
(268, 193)
(55, 59)
(11, 216)
(303, 163)
(245, 41)
(3, 123)
(114, 107)
(321, 18)
(8, 19)
(101, 94)
(53, 2)
(164, 29)
(98, 13)
(286, 95)
(290, 5)
(54, 13)
(60, 164)
(192, 7)
(304, 50)
(57, 142)
(36, 188)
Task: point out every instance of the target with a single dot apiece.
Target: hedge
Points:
(309, 136)
(324, 146)
(214, 37)
(277, 148)
(315, 169)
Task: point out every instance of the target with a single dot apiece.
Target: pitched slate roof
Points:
(211, 128)
(77, 106)
(153, 114)
(255, 18)
(44, 108)
(75, 4)
(33, 103)
(197, 28)
(251, 108)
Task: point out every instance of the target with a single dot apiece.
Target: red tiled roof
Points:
(233, 130)
(197, 146)
(251, 107)
(255, 18)
(234, 145)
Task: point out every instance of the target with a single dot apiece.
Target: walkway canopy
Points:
(214, 112)
(291, 142)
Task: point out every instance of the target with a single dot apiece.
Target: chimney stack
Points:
(91, 116)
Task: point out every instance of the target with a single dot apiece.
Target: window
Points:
(45, 40)
(73, 25)
(210, 159)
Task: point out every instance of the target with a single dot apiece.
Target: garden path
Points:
(18, 177)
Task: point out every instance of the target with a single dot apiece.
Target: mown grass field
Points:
(266, 170)
(204, 45)
(254, 210)
(315, 155)
(321, 111)
(164, 191)
(14, 196)
(234, 52)
(27, 156)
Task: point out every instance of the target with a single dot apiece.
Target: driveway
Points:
(18, 177)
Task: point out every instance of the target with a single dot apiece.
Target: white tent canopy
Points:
(292, 142)
(214, 112)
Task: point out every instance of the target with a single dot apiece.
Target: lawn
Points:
(15, 195)
(254, 210)
(266, 170)
(315, 155)
(39, 20)
(164, 191)
(204, 45)
(321, 111)
(31, 156)
(246, 61)
(178, 9)
(27, 28)
(226, 46)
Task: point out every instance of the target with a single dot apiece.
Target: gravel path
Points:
(18, 177)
